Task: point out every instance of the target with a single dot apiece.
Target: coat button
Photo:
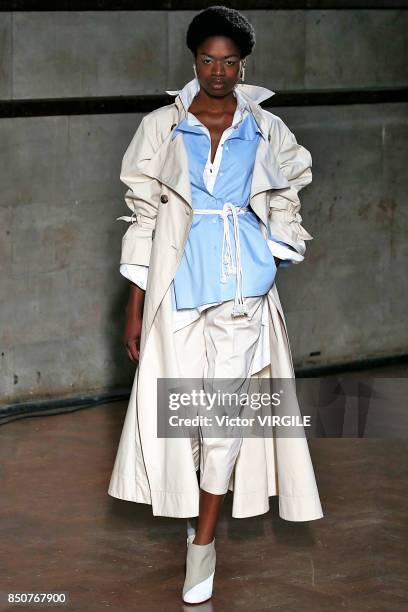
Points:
(164, 199)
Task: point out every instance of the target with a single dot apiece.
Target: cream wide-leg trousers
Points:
(217, 345)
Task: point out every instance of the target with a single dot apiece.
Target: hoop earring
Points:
(195, 72)
(242, 74)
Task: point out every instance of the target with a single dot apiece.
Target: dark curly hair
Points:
(221, 21)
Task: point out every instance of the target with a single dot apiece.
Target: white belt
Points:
(239, 307)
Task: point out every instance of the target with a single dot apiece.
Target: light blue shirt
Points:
(201, 277)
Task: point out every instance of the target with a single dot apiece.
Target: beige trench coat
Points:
(160, 471)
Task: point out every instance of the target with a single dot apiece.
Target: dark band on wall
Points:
(195, 5)
(145, 104)
(11, 412)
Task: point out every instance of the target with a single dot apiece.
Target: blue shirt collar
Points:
(245, 129)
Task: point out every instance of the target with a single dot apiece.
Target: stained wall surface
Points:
(62, 299)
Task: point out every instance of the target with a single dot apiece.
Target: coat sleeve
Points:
(285, 222)
(142, 196)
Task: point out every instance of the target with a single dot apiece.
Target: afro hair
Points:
(221, 21)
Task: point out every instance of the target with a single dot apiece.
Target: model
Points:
(213, 188)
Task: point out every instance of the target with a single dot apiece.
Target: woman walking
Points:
(213, 188)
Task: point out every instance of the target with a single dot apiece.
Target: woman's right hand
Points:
(134, 320)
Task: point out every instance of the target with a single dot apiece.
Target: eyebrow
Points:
(225, 56)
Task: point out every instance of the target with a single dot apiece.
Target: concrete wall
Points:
(68, 54)
(61, 296)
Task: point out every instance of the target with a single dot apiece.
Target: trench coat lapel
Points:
(169, 165)
(267, 174)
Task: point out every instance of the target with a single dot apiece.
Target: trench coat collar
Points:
(169, 164)
(248, 96)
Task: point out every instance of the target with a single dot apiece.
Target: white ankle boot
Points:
(200, 570)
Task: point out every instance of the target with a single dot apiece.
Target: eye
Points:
(230, 62)
(206, 60)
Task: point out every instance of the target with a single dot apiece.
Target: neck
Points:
(214, 104)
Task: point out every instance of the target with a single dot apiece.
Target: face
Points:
(218, 65)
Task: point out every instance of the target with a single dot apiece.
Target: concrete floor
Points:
(61, 531)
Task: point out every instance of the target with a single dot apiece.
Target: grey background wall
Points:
(61, 296)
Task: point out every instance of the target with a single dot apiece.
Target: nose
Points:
(219, 68)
